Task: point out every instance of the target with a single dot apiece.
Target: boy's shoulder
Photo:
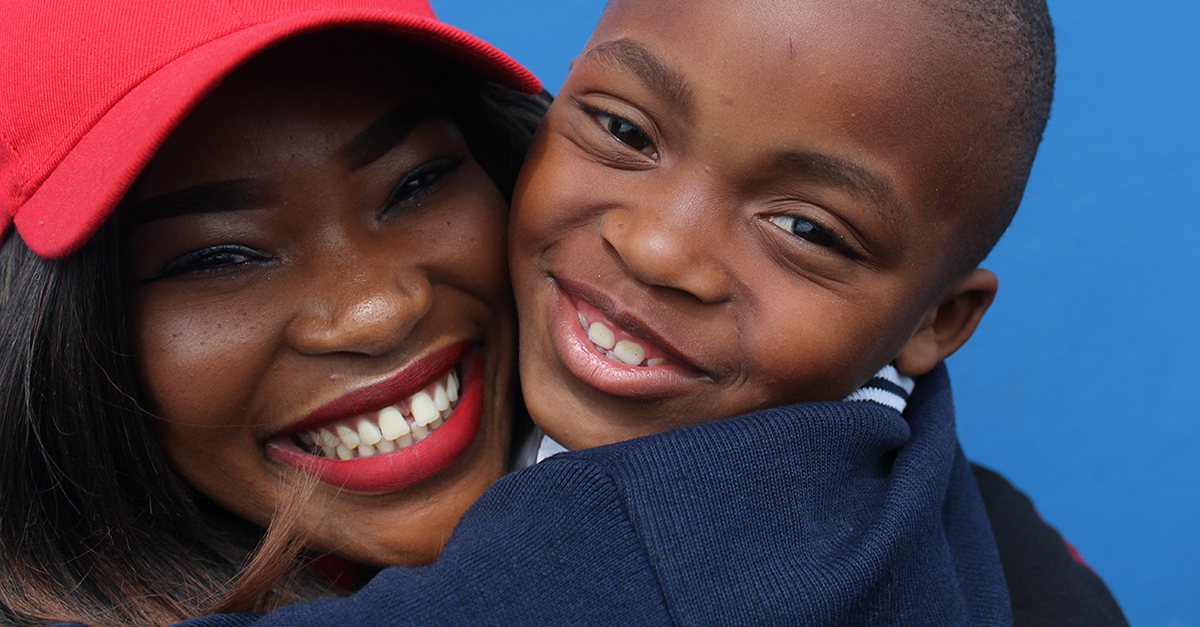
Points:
(1049, 585)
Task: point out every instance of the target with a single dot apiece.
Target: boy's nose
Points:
(358, 307)
(667, 248)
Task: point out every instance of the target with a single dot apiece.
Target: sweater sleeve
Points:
(550, 545)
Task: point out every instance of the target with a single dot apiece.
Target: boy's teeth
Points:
(626, 351)
(629, 352)
(602, 336)
(582, 320)
(389, 428)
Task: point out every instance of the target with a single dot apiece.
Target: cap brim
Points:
(76, 198)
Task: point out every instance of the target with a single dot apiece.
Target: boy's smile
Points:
(758, 220)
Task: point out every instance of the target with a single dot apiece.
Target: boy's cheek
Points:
(554, 195)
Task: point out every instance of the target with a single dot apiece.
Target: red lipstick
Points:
(407, 466)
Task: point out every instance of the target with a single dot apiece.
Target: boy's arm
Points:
(1047, 584)
(547, 546)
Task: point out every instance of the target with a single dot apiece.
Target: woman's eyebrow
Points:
(658, 76)
(387, 132)
(216, 197)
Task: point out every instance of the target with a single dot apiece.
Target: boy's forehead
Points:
(890, 74)
(899, 43)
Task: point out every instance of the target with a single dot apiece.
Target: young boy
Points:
(769, 217)
(754, 206)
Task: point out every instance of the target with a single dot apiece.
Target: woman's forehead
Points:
(280, 106)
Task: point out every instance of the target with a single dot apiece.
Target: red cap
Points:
(89, 89)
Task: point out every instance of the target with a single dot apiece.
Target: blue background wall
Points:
(1081, 384)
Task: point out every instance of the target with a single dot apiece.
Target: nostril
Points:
(663, 254)
(350, 321)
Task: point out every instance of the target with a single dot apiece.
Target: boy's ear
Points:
(949, 323)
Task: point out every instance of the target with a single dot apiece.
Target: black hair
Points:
(1014, 42)
(95, 525)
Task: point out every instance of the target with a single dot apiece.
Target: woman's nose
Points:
(358, 307)
(666, 245)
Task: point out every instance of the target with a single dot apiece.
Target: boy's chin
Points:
(579, 419)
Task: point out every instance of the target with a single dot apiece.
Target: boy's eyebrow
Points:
(659, 76)
(852, 177)
(217, 197)
(387, 132)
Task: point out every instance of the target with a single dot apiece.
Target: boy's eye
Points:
(627, 133)
(213, 260)
(421, 181)
(808, 230)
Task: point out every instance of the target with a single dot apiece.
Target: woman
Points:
(309, 274)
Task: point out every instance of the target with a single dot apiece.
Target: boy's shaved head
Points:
(1014, 39)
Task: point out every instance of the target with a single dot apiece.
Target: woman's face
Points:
(316, 274)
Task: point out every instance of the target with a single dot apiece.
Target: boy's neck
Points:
(888, 387)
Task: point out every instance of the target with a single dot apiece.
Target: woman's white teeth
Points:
(452, 387)
(392, 424)
(391, 428)
(424, 411)
(441, 399)
(348, 436)
(368, 432)
(625, 351)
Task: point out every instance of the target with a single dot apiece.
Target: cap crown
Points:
(79, 77)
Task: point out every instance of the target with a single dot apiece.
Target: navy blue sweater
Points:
(818, 514)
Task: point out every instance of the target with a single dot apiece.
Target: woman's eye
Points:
(421, 180)
(213, 260)
(627, 133)
(808, 231)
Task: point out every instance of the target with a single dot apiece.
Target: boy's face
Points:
(753, 193)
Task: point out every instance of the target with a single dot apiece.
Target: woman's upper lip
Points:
(394, 388)
(622, 315)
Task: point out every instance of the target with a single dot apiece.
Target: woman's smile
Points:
(317, 283)
(382, 437)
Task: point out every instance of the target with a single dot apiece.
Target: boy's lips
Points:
(395, 433)
(614, 358)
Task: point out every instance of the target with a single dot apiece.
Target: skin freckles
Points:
(275, 265)
(769, 209)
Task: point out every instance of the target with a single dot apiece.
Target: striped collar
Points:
(888, 388)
